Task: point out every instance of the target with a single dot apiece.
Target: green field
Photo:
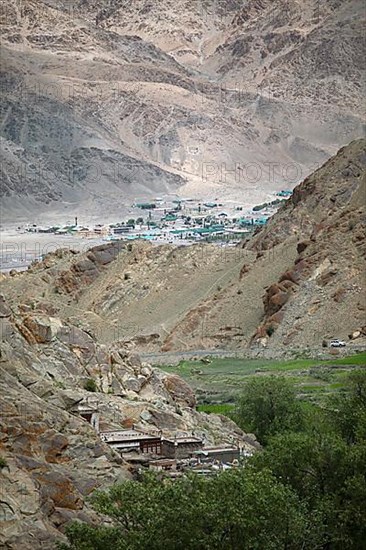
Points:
(216, 409)
(218, 383)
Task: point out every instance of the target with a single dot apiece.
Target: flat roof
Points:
(163, 462)
(125, 436)
(188, 439)
(217, 449)
(134, 444)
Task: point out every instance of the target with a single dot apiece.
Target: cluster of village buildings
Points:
(174, 453)
(177, 221)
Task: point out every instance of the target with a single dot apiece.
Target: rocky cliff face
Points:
(323, 289)
(102, 104)
(54, 457)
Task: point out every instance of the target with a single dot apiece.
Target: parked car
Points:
(337, 344)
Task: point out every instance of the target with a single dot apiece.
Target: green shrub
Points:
(3, 463)
(90, 385)
(216, 408)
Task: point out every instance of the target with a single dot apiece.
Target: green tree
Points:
(268, 406)
(312, 464)
(329, 478)
(325, 465)
(236, 510)
(348, 409)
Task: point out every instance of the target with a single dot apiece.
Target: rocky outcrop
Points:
(41, 329)
(85, 270)
(54, 456)
(179, 390)
(276, 297)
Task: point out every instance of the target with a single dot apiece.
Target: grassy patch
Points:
(216, 409)
(359, 359)
(218, 383)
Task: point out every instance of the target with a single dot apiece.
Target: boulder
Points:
(134, 360)
(60, 489)
(42, 327)
(133, 384)
(146, 371)
(262, 342)
(289, 275)
(105, 253)
(179, 390)
(71, 398)
(274, 301)
(86, 268)
(326, 277)
(117, 387)
(80, 342)
(276, 318)
(122, 371)
(167, 421)
(74, 336)
(5, 310)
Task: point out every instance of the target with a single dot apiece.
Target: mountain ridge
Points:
(124, 89)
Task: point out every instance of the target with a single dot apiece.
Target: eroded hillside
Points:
(104, 103)
(306, 284)
(80, 317)
(298, 281)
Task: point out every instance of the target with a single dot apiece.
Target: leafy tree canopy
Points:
(234, 510)
(268, 406)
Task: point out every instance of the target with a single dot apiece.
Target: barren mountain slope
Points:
(310, 268)
(322, 295)
(122, 290)
(297, 281)
(107, 102)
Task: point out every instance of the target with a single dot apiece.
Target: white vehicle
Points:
(337, 344)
